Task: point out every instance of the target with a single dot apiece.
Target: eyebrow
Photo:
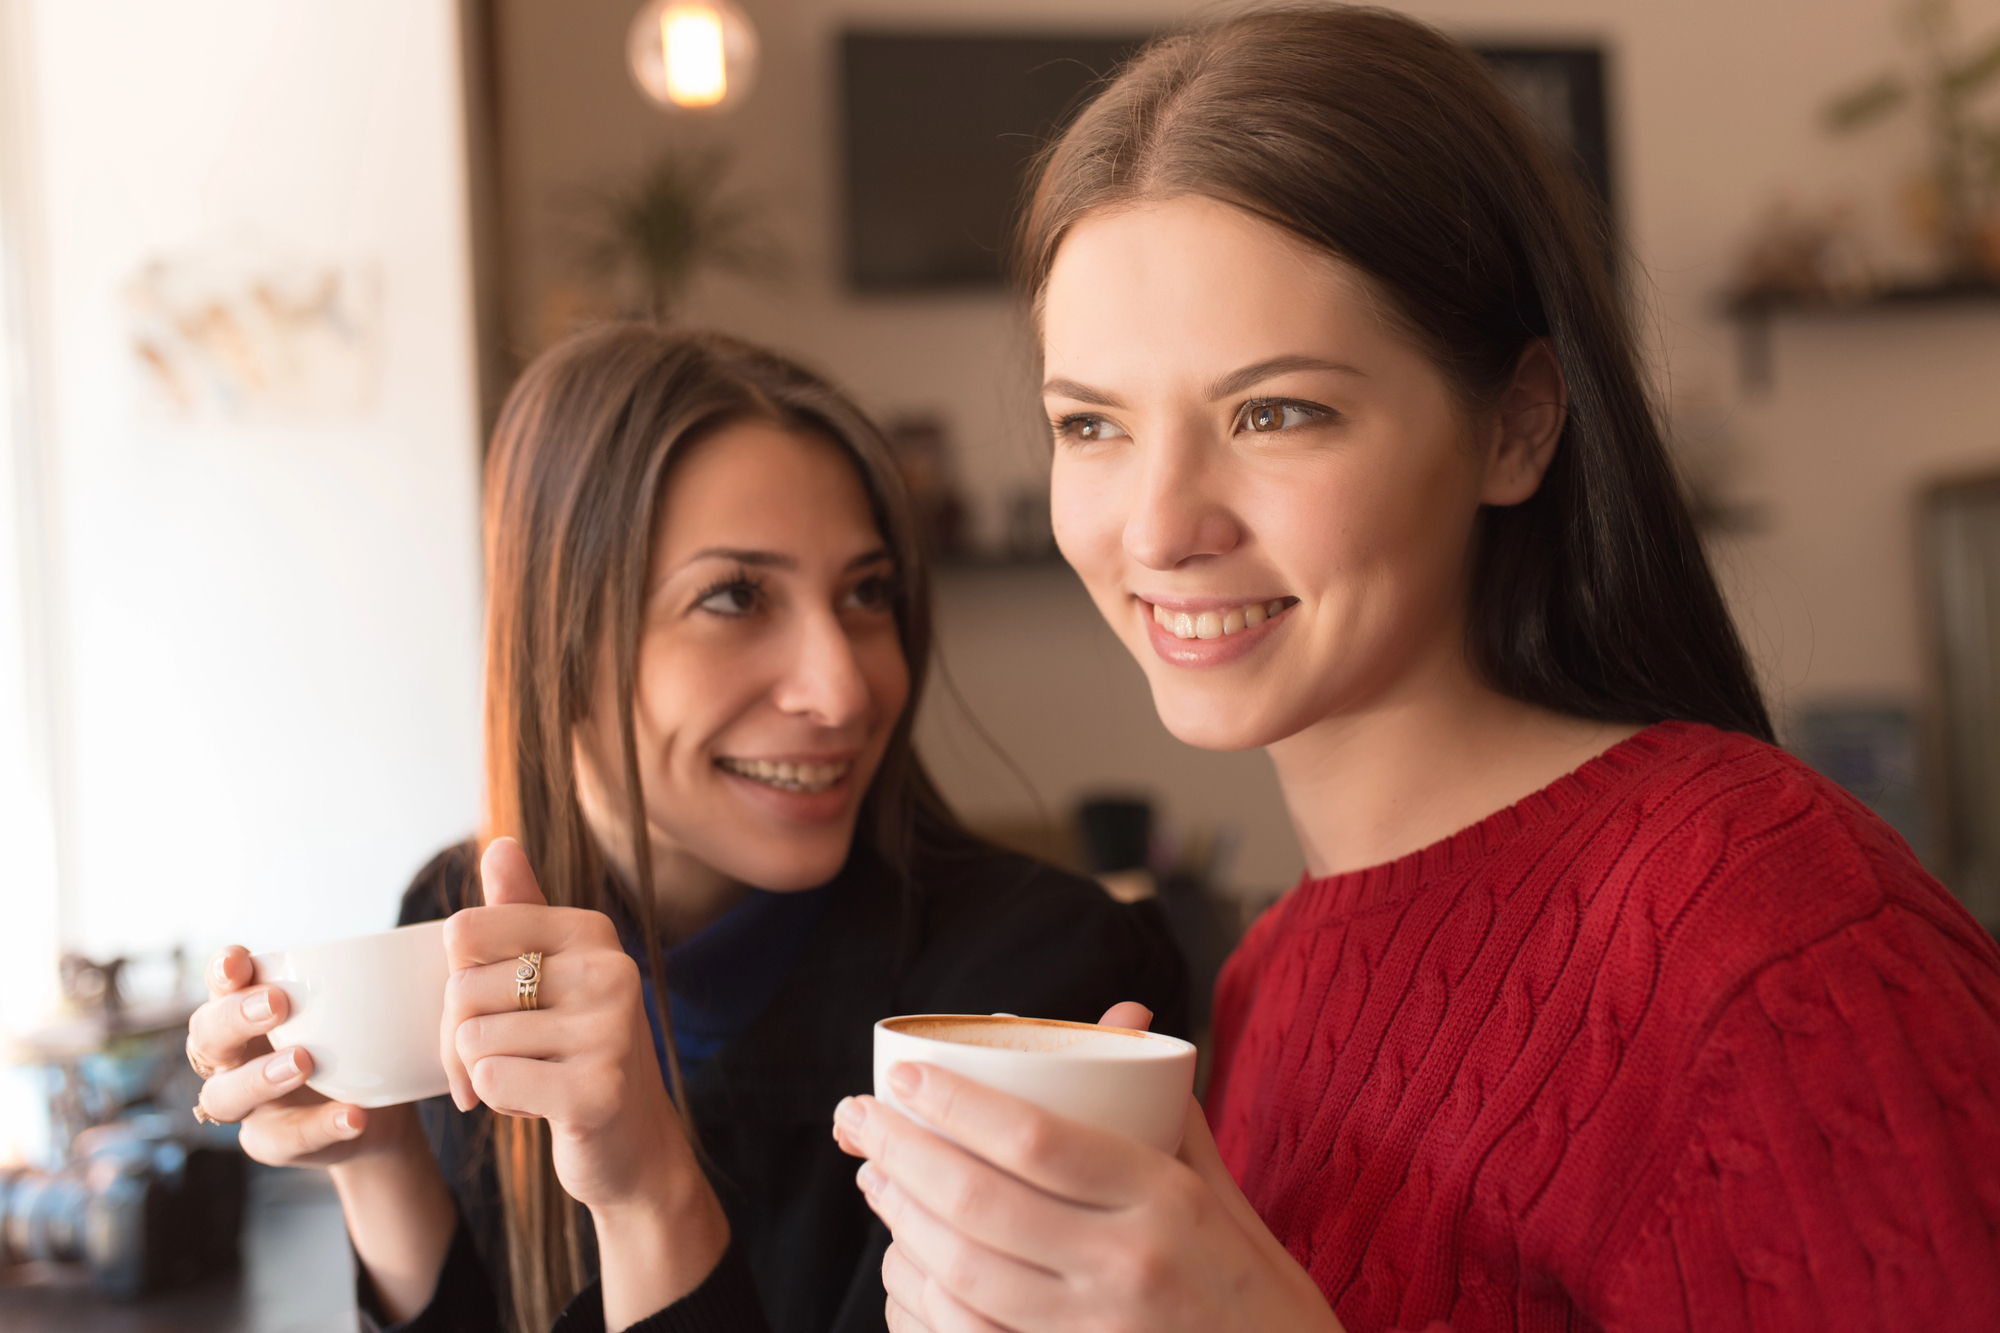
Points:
(1235, 382)
(778, 559)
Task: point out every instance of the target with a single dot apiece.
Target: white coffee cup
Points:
(1131, 1083)
(368, 1010)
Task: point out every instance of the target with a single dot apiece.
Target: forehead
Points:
(1190, 284)
(762, 485)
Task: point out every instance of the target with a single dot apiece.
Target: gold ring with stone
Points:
(204, 1072)
(528, 981)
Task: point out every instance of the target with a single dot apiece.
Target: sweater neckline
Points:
(1390, 882)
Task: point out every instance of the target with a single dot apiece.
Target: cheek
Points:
(1084, 512)
(888, 677)
(683, 695)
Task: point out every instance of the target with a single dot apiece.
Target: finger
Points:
(235, 1093)
(540, 1089)
(282, 1135)
(953, 1284)
(922, 1306)
(571, 979)
(229, 970)
(1129, 1014)
(506, 876)
(231, 1028)
(975, 1198)
(480, 935)
(901, 1320)
(536, 1036)
(1069, 1160)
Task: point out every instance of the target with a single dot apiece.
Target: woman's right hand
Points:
(285, 1123)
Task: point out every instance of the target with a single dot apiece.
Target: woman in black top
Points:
(707, 627)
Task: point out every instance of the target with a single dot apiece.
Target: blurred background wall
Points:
(242, 228)
(240, 614)
(1714, 111)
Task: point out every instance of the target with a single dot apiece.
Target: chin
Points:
(787, 865)
(1210, 719)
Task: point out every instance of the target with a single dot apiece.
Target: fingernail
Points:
(868, 1178)
(341, 1122)
(221, 969)
(850, 1115)
(283, 1067)
(257, 1005)
(904, 1080)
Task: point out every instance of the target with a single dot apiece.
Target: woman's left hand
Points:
(1026, 1221)
(583, 1061)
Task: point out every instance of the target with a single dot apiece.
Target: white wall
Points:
(28, 875)
(1715, 107)
(267, 644)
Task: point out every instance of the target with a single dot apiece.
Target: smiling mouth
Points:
(1219, 623)
(788, 777)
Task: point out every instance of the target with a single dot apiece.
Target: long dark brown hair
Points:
(1392, 148)
(574, 485)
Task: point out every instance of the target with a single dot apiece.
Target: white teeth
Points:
(786, 777)
(1216, 624)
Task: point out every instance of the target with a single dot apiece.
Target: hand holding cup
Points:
(285, 1123)
(1006, 1215)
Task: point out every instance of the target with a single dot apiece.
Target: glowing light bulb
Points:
(693, 55)
(691, 43)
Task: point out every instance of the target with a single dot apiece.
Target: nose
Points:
(825, 684)
(1178, 512)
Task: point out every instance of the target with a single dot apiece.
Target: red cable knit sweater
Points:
(1686, 1040)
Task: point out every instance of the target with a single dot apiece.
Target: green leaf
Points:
(1867, 104)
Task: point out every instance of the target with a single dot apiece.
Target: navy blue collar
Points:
(726, 974)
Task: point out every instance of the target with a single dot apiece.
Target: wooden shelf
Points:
(1755, 312)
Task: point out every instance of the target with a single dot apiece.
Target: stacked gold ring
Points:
(528, 981)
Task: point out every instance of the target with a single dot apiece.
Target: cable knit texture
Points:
(1686, 1040)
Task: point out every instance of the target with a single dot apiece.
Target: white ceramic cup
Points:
(368, 1010)
(1131, 1083)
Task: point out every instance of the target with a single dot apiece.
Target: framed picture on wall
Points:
(1562, 89)
(940, 130)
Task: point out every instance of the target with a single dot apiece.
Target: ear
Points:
(1524, 427)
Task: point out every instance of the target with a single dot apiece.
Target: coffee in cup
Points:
(369, 1011)
(1129, 1082)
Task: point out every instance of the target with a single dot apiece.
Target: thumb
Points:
(1128, 1014)
(506, 877)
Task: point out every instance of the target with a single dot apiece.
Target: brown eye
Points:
(1267, 417)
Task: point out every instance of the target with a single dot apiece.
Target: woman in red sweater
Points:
(1594, 1009)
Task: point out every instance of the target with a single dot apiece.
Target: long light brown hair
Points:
(574, 483)
(1387, 145)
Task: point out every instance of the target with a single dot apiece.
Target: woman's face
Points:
(1267, 490)
(769, 674)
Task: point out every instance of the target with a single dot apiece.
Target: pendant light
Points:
(693, 55)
